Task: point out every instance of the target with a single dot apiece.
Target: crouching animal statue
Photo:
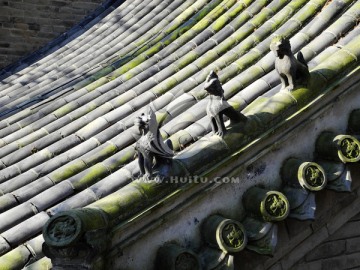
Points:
(293, 71)
(150, 147)
(218, 106)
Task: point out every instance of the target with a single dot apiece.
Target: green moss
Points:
(63, 110)
(153, 190)
(311, 9)
(162, 88)
(90, 106)
(354, 122)
(103, 72)
(161, 116)
(187, 59)
(264, 15)
(42, 264)
(278, 104)
(128, 75)
(117, 161)
(220, 23)
(304, 95)
(92, 175)
(209, 57)
(235, 137)
(15, 259)
(121, 204)
(97, 83)
(248, 59)
(105, 152)
(92, 219)
(67, 171)
(241, 6)
(335, 65)
(252, 74)
(178, 137)
(212, 150)
(259, 102)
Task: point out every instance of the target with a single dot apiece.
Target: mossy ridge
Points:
(90, 176)
(67, 171)
(276, 109)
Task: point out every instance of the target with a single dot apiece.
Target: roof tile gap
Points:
(232, 27)
(322, 75)
(106, 167)
(2, 164)
(216, 43)
(81, 139)
(31, 250)
(112, 107)
(250, 14)
(5, 240)
(136, 78)
(34, 208)
(306, 36)
(96, 140)
(193, 79)
(7, 122)
(17, 123)
(17, 167)
(154, 79)
(331, 33)
(16, 198)
(261, 69)
(265, 83)
(131, 107)
(297, 21)
(195, 45)
(159, 58)
(350, 53)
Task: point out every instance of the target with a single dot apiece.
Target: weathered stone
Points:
(326, 250)
(351, 261)
(4, 245)
(265, 245)
(309, 266)
(304, 247)
(347, 230)
(172, 256)
(26, 229)
(353, 245)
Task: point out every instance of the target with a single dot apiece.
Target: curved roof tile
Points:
(66, 120)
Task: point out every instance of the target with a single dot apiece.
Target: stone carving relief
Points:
(350, 148)
(301, 180)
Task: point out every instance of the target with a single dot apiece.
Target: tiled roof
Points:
(67, 118)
